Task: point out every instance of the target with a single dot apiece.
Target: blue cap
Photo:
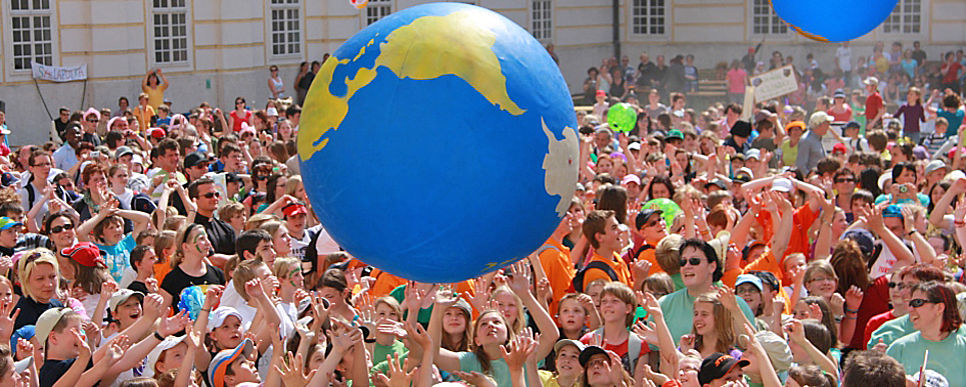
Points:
(750, 278)
(892, 211)
(6, 223)
(25, 332)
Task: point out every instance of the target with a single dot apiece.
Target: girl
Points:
(456, 323)
(189, 266)
(711, 329)
(88, 272)
(275, 85)
(289, 273)
(912, 114)
(566, 366)
(334, 288)
(281, 241)
(239, 115)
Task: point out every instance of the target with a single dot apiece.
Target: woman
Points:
(660, 188)
(934, 314)
(299, 90)
(59, 228)
(239, 115)
(96, 193)
(789, 147)
(285, 132)
(189, 264)
(154, 88)
(38, 272)
(275, 85)
(864, 297)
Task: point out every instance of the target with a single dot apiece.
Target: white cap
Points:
(819, 118)
(120, 296)
(271, 112)
(168, 343)
(217, 317)
(781, 184)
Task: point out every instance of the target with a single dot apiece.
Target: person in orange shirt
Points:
(653, 228)
(555, 261)
(603, 232)
(143, 112)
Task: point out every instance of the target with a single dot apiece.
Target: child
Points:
(107, 228)
(163, 251)
(143, 261)
(617, 307)
(232, 367)
(163, 118)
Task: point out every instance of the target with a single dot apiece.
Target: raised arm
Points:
(445, 359)
(520, 284)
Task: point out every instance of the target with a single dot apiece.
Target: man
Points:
(39, 165)
(810, 150)
(650, 223)
(205, 197)
(874, 107)
(555, 259)
(645, 72)
(58, 126)
(732, 114)
(167, 161)
(871, 368)
(740, 132)
(195, 167)
(65, 157)
(230, 160)
(700, 269)
(603, 231)
(719, 369)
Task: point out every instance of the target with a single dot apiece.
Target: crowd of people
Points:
(793, 245)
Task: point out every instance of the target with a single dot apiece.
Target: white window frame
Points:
(541, 20)
(899, 21)
(646, 7)
(376, 10)
(774, 21)
(290, 38)
(153, 39)
(32, 14)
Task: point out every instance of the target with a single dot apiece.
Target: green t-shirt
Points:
(379, 352)
(424, 314)
(891, 331)
(945, 357)
(678, 308)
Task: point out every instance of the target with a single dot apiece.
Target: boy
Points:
(163, 118)
(874, 108)
(855, 143)
(142, 261)
(143, 112)
(232, 367)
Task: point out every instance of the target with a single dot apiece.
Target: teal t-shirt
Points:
(891, 330)
(118, 257)
(678, 308)
(923, 199)
(945, 357)
(499, 370)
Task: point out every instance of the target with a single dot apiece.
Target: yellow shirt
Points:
(143, 116)
(155, 95)
(548, 379)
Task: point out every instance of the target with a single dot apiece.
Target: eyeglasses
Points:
(61, 228)
(693, 261)
(917, 302)
(94, 121)
(899, 285)
(845, 180)
(210, 195)
(239, 102)
(820, 279)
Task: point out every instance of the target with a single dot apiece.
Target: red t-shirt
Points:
(951, 76)
(873, 104)
(736, 80)
(875, 301)
(874, 323)
(619, 349)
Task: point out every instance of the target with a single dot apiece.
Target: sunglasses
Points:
(651, 224)
(210, 195)
(693, 261)
(239, 102)
(846, 180)
(61, 228)
(94, 121)
(917, 302)
(898, 285)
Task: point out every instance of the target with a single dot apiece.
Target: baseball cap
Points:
(777, 350)
(194, 159)
(753, 154)
(716, 183)
(851, 124)
(935, 165)
(47, 321)
(630, 178)
(600, 93)
(863, 238)
(839, 148)
(839, 93)
(565, 342)
(892, 211)
(168, 343)
(675, 134)
(271, 112)
(220, 363)
(781, 184)
(750, 279)
(122, 151)
(25, 332)
(644, 215)
(795, 124)
(6, 223)
(217, 317)
(717, 366)
(588, 352)
(293, 209)
(634, 146)
(819, 118)
(122, 295)
(871, 81)
(463, 305)
(85, 253)
(158, 133)
(232, 177)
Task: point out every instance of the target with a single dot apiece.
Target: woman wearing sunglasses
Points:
(38, 272)
(84, 274)
(935, 316)
(238, 115)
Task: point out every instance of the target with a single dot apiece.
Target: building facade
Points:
(216, 50)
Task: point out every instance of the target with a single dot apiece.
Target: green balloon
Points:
(622, 117)
(669, 207)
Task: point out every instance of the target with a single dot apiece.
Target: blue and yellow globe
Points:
(439, 143)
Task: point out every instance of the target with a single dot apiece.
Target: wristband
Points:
(158, 336)
(206, 310)
(851, 318)
(847, 310)
(372, 340)
(959, 223)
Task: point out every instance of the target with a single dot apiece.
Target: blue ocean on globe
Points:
(439, 143)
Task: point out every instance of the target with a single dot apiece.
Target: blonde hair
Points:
(29, 261)
(230, 209)
(164, 241)
(391, 302)
(293, 184)
(244, 272)
(284, 265)
(256, 221)
(518, 323)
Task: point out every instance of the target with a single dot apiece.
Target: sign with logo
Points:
(774, 84)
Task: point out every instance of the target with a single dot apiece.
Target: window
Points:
(764, 19)
(541, 21)
(30, 24)
(377, 9)
(286, 27)
(647, 17)
(170, 31)
(906, 18)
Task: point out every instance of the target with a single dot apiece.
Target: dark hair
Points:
(333, 278)
(10, 208)
(137, 255)
(293, 110)
(660, 179)
(945, 184)
(610, 197)
(811, 375)
(270, 185)
(53, 216)
(871, 368)
(249, 240)
(827, 165)
(709, 253)
(843, 172)
(595, 224)
(165, 145)
(869, 180)
(850, 266)
(193, 187)
(900, 167)
(817, 334)
(937, 292)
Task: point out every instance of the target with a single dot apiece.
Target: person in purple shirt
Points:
(912, 114)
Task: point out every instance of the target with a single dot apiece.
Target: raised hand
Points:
(642, 267)
(173, 324)
(645, 331)
(686, 343)
(7, 321)
(152, 306)
(213, 296)
(24, 348)
(152, 285)
(544, 291)
(853, 297)
(795, 331)
(390, 327)
(292, 370)
(398, 377)
(254, 288)
(519, 349)
(445, 297)
(476, 379)
(418, 334)
(482, 293)
(519, 281)
(728, 298)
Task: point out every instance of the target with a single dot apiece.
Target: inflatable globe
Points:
(439, 143)
(833, 20)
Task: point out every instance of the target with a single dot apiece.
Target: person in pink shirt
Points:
(737, 79)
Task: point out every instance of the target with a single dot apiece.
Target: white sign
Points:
(774, 84)
(59, 73)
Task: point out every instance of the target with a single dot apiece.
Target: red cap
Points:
(601, 93)
(294, 209)
(156, 132)
(839, 148)
(952, 153)
(86, 254)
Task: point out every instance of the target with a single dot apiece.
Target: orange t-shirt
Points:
(802, 220)
(161, 270)
(648, 255)
(555, 260)
(623, 273)
(385, 283)
(768, 262)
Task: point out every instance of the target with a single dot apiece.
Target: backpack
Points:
(578, 282)
(633, 346)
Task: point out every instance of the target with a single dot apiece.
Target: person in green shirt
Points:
(939, 331)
